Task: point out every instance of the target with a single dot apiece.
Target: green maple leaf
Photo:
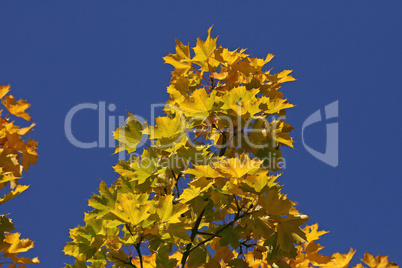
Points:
(289, 232)
(130, 135)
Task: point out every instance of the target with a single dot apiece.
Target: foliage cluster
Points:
(16, 155)
(204, 190)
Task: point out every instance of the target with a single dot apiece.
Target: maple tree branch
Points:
(128, 228)
(237, 205)
(223, 150)
(137, 247)
(149, 146)
(224, 227)
(224, 139)
(248, 245)
(176, 179)
(204, 233)
(194, 232)
(212, 82)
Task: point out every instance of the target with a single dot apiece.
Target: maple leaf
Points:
(238, 167)
(312, 232)
(203, 171)
(130, 135)
(6, 225)
(16, 108)
(259, 63)
(238, 94)
(203, 52)
(274, 203)
(199, 104)
(140, 169)
(103, 202)
(378, 262)
(132, 209)
(29, 154)
(339, 260)
(259, 183)
(274, 106)
(181, 60)
(4, 90)
(193, 192)
(166, 127)
(10, 195)
(289, 232)
(178, 89)
(168, 212)
(9, 162)
(16, 244)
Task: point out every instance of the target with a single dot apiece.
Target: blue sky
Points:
(58, 54)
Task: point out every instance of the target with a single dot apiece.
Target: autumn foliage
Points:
(16, 155)
(202, 190)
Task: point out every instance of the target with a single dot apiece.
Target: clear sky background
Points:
(58, 54)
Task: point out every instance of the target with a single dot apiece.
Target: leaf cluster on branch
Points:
(16, 155)
(202, 190)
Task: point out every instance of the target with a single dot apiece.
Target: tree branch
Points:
(176, 179)
(223, 150)
(194, 232)
(137, 247)
(237, 217)
(204, 233)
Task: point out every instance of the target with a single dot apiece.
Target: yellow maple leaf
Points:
(312, 232)
(168, 212)
(340, 260)
(239, 166)
(181, 60)
(200, 104)
(259, 63)
(166, 127)
(253, 262)
(10, 195)
(206, 171)
(192, 192)
(16, 108)
(203, 52)
(4, 90)
(178, 89)
(274, 106)
(378, 262)
(16, 244)
(132, 208)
